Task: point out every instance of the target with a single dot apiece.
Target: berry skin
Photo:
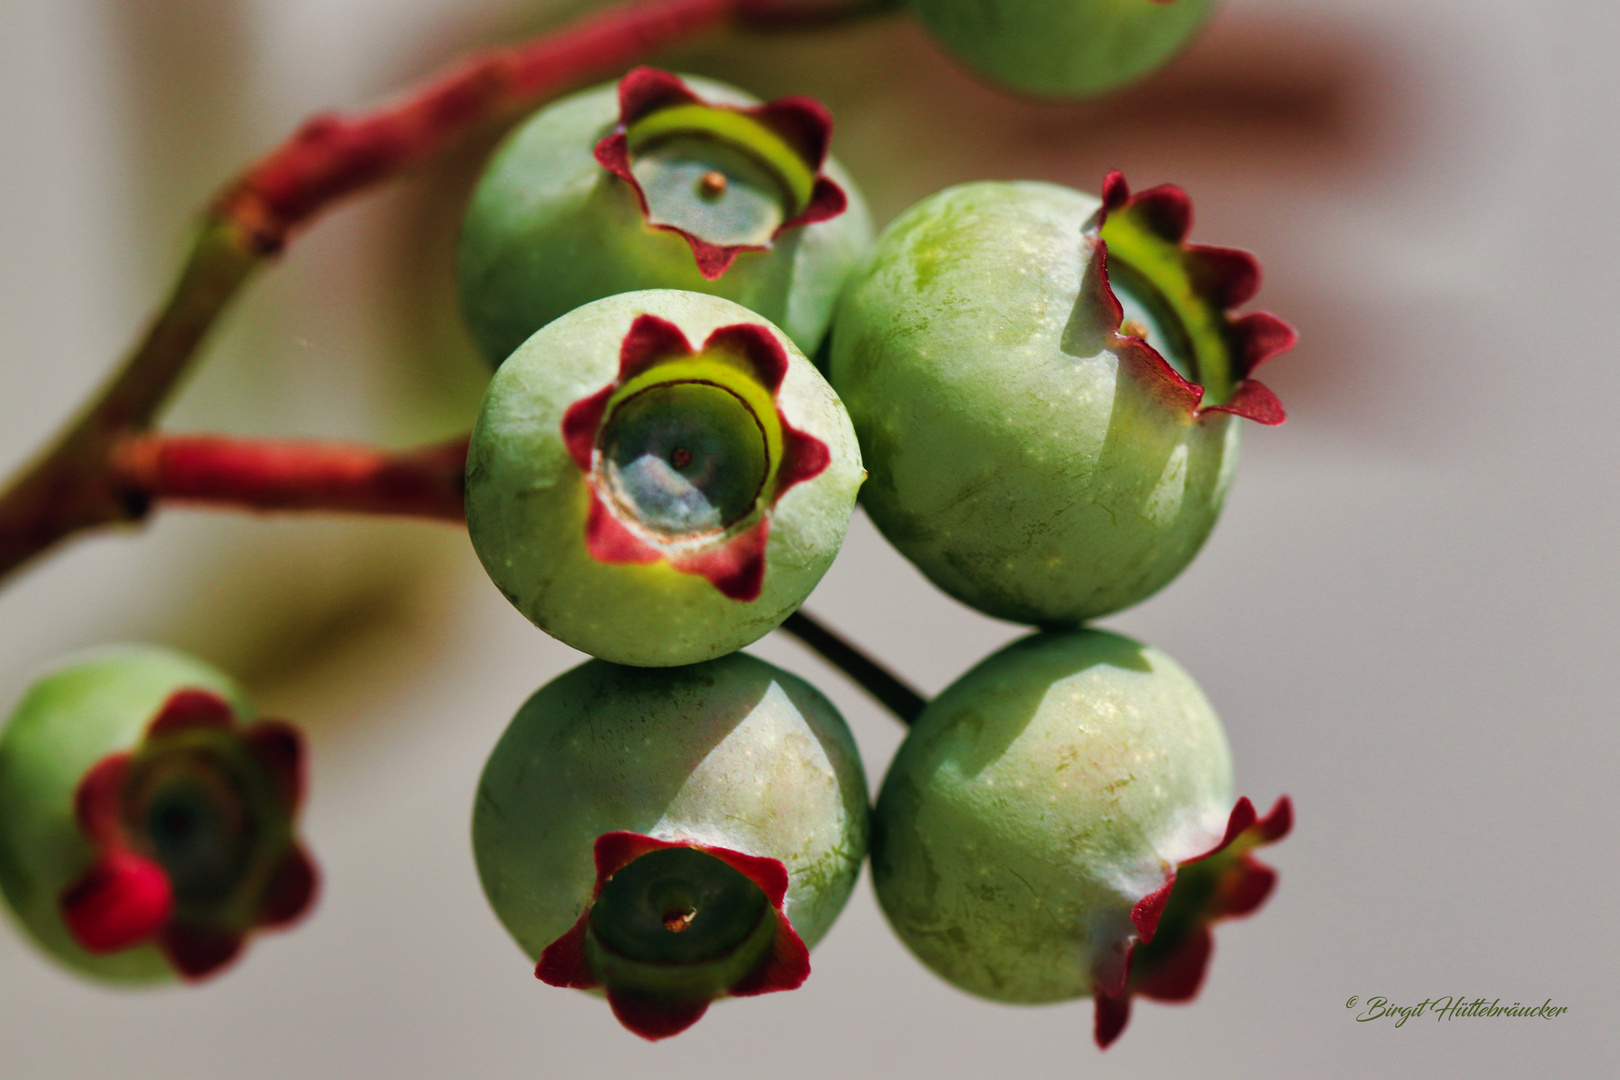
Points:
(659, 478)
(671, 835)
(146, 831)
(1052, 809)
(1075, 49)
(1044, 384)
(660, 183)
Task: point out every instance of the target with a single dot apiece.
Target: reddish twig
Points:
(268, 475)
(74, 484)
(333, 156)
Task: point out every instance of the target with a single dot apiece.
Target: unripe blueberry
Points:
(660, 183)
(1051, 811)
(146, 823)
(671, 835)
(659, 478)
(1043, 384)
(1078, 48)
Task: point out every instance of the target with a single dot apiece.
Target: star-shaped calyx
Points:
(687, 451)
(1164, 306)
(1173, 942)
(727, 178)
(671, 926)
(193, 837)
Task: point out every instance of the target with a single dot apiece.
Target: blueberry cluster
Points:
(1034, 392)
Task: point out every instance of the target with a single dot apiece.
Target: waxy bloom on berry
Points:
(659, 478)
(1060, 824)
(146, 826)
(1045, 385)
(672, 835)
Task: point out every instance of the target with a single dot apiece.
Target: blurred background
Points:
(1407, 616)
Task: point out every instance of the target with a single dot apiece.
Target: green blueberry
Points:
(671, 835)
(659, 478)
(1080, 48)
(1044, 390)
(708, 192)
(1048, 808)
(146, 827)
(1036, 801)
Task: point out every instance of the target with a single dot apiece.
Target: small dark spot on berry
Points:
(680, 457)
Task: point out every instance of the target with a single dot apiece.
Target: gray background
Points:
(1407, 616)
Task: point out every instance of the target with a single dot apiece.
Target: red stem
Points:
(75, 483)
(332, 156)
(276, 476)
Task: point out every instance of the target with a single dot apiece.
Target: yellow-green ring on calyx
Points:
(1159, 263)
(721, 370)
(743, 132)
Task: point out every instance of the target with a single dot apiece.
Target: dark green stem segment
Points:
(892, 693)
(73, 485)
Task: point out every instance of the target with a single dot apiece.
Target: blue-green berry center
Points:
(684, 458)
(712, 189)
(1149, 315)
(677, 906)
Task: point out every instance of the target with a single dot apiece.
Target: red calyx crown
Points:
(1171, 968)
(126, 897)
(734, 563)
(785, 966)
(1222, 278)
(802, 122)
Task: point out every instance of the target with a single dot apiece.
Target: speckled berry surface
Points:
(1024, 455)
(734, 754)
(1036, 802)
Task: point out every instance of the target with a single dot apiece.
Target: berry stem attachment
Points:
(889, 690)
